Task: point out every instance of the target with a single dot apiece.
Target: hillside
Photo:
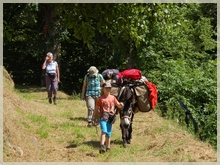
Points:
(35, 131)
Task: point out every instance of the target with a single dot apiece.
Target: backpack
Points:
(110, 73)
(153, 94)
(87, 77)
(146, 94)
(129, 74)
(142, 93)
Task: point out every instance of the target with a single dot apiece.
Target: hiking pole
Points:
(96, 130)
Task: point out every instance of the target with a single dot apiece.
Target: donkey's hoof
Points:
(124, 145)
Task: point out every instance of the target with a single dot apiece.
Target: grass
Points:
(18, 109)
(26, 125)
(37, 118)
(42, 132)
(62, 134)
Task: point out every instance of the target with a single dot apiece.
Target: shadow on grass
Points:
(94, 144)
(79, 118)
(38, 89)
(117, 141)
(29, 89)
(72, 146)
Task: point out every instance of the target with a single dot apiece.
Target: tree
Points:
(159, 39)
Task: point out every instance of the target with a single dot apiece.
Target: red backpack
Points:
(130, 74)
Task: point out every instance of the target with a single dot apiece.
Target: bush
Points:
(196, 87)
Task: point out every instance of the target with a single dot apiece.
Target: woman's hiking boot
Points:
(50, 100)
(55, 100)
(102, 148)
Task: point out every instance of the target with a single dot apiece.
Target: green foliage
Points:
(173, 44)
(194, 85)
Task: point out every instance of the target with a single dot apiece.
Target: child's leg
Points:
(108, 141)
(108, 135)
(103, 127)
(102, 138)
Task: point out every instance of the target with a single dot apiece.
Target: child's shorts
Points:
(106, 127)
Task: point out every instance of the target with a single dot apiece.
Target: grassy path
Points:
(35, 131)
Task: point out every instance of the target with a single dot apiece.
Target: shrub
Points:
(196, 87)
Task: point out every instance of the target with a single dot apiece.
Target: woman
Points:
(52, 77)
(106, 105)
(91, 90)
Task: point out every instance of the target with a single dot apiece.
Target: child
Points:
(106, 105)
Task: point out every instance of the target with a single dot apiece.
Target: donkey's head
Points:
(126, 113)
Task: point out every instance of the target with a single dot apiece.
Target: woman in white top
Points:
(52, 76)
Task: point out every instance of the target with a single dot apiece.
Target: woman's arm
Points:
(94, 114)
(102, 82)
(58, 73)
(44, 64)
(83, 90)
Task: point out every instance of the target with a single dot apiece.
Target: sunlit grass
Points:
(26, 125)
(37, 118)
(18, 109)
(78, 132)
(42, 132)
(66, 114)
(67, 125)
(64, 126)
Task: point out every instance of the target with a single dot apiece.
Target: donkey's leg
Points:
(124, 135)
(130, 131)
(129, 137)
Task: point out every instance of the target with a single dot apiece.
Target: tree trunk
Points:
(51, 43)
(129, 64)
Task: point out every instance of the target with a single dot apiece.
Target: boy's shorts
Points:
(106, 127)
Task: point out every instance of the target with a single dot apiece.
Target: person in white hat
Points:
(52, 77)
(91, 90)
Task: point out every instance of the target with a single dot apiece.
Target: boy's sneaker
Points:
(102, 148)
(50, 100)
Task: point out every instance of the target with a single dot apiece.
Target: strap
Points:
(121, 88)
(87, 77)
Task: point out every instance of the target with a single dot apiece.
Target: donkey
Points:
(128, 97)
